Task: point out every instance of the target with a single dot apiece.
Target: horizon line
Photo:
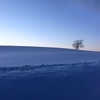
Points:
(45, 47)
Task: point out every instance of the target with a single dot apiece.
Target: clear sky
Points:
(50, 23)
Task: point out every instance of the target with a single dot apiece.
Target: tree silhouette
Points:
(78, 44)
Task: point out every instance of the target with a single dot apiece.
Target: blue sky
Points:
(50, 23)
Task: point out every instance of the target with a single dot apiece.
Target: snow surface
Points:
(20, 56)
(38, 73)
(54, 70)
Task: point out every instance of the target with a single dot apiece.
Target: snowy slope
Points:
(59, 82)
(19, 56)
(36, 73)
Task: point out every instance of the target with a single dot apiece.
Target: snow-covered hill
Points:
(37, 73)
(19, 56)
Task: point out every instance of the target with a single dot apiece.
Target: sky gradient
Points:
(50, 23)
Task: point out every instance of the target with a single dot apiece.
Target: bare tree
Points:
(78, 44)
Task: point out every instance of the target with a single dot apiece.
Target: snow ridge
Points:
(48, 70)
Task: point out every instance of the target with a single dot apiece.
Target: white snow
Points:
(55, 70)
(19, 56)
(35, 73)
(38, 61)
